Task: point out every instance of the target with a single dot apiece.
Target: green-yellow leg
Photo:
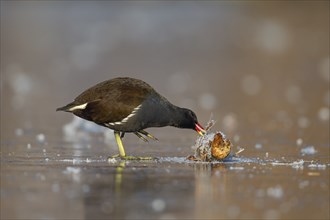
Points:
(122, 153)
(120, 145)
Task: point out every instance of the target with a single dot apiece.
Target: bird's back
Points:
(113, 100)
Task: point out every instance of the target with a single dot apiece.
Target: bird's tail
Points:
(66, 108)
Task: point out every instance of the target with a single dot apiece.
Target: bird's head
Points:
(189, 120)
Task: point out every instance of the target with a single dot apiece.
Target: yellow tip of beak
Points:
(201, 133)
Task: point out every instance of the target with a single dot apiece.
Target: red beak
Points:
(200, 130)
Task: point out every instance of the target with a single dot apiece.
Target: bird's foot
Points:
(117, 156)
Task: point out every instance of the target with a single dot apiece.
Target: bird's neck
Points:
(177, 116)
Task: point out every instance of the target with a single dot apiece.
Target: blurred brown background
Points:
(260, 66)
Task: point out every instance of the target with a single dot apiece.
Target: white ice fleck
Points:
(44, 150)
(46, 159)
(75, 161)
(158, 205)
(324, 114)
(298, 164)
(317, 166)
(112, 160)
(299, 142)
(41, 138)
(236, 168)
(28, 146)
(275, 192)
(19, 132)
(309, 150)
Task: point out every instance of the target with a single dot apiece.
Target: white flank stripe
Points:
(126, 118)
(83, 106)
(132, 114)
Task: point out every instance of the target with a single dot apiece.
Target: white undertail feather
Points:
(83, 106)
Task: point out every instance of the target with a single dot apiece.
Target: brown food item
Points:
(220, 146)
(210, 147)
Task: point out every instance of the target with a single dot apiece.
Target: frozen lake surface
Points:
(63, 180)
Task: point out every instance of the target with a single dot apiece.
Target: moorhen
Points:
(130, 105)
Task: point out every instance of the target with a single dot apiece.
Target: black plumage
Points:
(130, 105)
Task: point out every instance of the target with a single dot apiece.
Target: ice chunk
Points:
(298, 164)
(236, 168)
(112, 160)
(309, 150)
(78, 130)
(317, 166)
